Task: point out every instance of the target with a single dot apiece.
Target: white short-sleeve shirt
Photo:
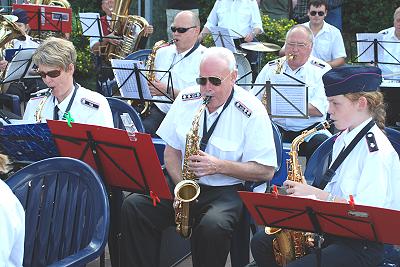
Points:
(184, 69)
(12, 228)
(311, 74)
(392, 53)
(373, 178)
(88, 107)
(243, 132)
(328, 43)
(239, 16)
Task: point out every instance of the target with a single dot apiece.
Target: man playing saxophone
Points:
(299, 64)
(236, 145)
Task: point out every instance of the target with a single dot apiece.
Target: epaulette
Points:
(371, 142)
(191, 96)
(39, 94)
(240, 106)
(89, 103)
(273, 62)
(318, 64)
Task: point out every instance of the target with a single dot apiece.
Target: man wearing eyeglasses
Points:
(64, 99)
(236, 145)
(304, 68)
(179, 61)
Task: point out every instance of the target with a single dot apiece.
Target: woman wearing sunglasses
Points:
(64, 98)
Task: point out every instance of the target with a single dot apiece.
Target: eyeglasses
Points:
(216, 81)
(320, 13)
(181, 29)
(299, 45)
(51, 74)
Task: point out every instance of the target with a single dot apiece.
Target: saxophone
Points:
(39, 109)
(289, 245)
(188, 189)
(278, 70)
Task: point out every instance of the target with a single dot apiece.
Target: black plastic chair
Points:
(66, 212)
(11, 101)
(139, 55)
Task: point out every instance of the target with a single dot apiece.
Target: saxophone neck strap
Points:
(330, 172)
(207, 134)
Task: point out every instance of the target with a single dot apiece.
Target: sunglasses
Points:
(320, 13)
(216, 81)
(181, 29)
(51, 74)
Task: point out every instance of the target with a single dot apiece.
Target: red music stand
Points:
(321, 217)
(129, 163)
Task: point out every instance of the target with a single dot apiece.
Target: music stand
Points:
(288, 97)
(133, 82)
(223, 38)
(91, 25)
(21, 65)
(129, 163)
(321, 217)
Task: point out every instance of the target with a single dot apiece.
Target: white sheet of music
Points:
(91, 25)
(296, 95)
(126, 78)
(18, 67)
(365, 46)
(223, 38)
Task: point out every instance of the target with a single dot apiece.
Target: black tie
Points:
(55, 113)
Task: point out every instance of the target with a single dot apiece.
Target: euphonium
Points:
(289, 245)
(188, 189)
(130, 28)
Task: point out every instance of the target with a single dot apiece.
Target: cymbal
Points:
(260, 47)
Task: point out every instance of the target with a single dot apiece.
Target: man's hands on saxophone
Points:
(204, 164)
(299, 189)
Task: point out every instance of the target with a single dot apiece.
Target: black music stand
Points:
(321, 217)
(21, 66)
(133, 81)
(223, 38)
(126, 162)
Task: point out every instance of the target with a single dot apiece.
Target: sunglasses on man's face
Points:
(320, 13)
(181, 29)
(51, 74)
(216, 81)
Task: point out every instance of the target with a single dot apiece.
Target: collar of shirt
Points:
(64, 104)
(178, 55)
(211, 117)
(349, 136)
(297, 71)
(392, 35)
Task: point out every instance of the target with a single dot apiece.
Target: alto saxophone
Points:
(289, 245)
(188, 189)
(39, 109)
(278, 70)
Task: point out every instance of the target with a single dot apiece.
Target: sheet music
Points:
(223, 38)
(126, 78)
(365, 46)
(129, 125)
(90, 24)
(295, 94)
(21, 66)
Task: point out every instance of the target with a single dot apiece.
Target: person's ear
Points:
(362, 103)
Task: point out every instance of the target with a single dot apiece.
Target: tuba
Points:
(188, 189)
(130, 28)
(289, 245)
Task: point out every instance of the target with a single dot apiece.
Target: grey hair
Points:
(55, 52)
(310, 35)
(396, 13)
(221, 53)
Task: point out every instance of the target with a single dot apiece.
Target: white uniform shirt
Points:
(394, 49)
(184, 70)
(239, 16)
(311, 74)
(28, 43)
(328, 43)
(243, 132)
(373, 178)
(12, 228)
(88, 107)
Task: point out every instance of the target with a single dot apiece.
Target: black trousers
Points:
(336, 252)
(152, 121)
(216, 215)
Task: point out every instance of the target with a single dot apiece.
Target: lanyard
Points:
(207, 134)
(55, 115)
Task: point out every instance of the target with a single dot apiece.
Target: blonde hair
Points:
(55, 52)
(376, 106)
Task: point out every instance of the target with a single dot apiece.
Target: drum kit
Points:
(243, 65)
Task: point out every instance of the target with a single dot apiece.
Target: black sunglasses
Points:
(320, 13)
(216, 81)
(51, 74)
(181, 29)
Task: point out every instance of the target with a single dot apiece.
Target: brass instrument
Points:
(4, 164)
(39, 109)
(188, 189)
(130, 28)
(289, 245)
(278, 70)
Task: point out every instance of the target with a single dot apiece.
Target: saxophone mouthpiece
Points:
(324, 125)
(206, 99)
(170, 42)
(291, 57)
